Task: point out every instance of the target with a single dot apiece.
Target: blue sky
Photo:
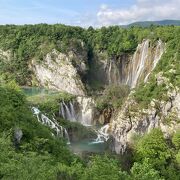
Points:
(86, 12)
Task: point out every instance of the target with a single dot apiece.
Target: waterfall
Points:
(102, 135)
(86, 110)
(73, 114)
(158, 53)
(62, 111)
(109, 72)
(141, 64)
(82, 111)
(67, 111)
(60, 131)
(67, 136)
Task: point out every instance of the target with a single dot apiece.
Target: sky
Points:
(86, 13)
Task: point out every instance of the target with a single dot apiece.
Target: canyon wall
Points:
(132, 120)
(130, 69)
(57, 71)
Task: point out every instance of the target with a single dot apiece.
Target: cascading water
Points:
(158, 53)
(86, 110)
(60, 131)
(67, 111)
(109, 72)
(131, 70)
(81, 110)
(73, 114)
(102, 135)
(137, 71)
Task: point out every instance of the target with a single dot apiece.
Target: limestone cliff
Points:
(57, 71)
(132, 120)
(5, 55)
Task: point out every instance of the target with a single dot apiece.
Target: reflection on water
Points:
(87, 146)
(31, 91)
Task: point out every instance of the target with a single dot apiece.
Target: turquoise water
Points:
(31, 91)
(87, 146)
(77, 147)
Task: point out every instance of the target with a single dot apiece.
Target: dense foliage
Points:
(113, 97)
(39, 155)
(35, 41)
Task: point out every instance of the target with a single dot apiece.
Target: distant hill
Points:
(160, 23)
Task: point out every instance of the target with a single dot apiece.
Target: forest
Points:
(35, 41)
(38, 154)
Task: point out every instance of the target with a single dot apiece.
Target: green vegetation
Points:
(39, 155)
(157, 23)
(49, 103)
(37, 146)
(113, 96)
(168, 64)
(35, 41)
(27, 42)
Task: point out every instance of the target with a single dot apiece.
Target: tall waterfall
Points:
(80, 110)
(60, 131)
(158, 53)
(143, 62)
(131, 70)
(138, 69)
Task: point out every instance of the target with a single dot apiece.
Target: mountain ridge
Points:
(166, 22)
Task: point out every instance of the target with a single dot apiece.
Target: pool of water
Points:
(79, 147)
(87, 146)
(31, 91)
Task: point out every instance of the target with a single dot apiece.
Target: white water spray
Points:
(102, 135)
(158, 53)
(60, 131)
(82, 111)
(140, 67)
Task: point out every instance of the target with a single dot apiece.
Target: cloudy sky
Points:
(87, 12)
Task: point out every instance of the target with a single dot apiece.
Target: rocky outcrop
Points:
(18, 134)
(105, 115)
(5, 55)
(132, 120)
(61, 71)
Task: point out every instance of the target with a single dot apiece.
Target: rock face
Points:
(57, 71)
(132, 120)
(105, 115)
(17, 137)
(127, 69)
(5, 55)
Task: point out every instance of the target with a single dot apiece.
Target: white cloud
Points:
(140, 11)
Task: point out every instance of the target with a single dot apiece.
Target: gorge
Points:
(73, 97)
(128, 69)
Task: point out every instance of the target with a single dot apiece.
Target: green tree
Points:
(153, 146)
(144, 171)
(100, 168)
(176, 139)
